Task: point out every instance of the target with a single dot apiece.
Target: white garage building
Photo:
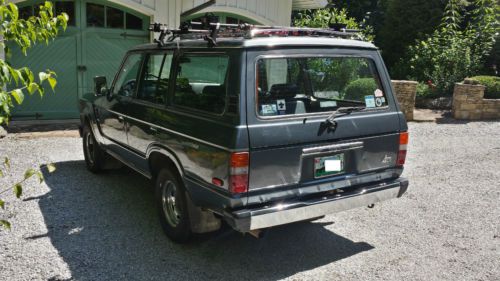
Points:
(101, 31)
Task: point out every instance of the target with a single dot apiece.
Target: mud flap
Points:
(201, 221)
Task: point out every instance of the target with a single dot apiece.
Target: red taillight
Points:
(238, 173)
(403, 143)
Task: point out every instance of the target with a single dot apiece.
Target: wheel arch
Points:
(160, 156)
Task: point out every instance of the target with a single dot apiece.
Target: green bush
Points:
(358, 89)
(492, 84)
(424, 91)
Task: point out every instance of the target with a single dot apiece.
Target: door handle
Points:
(153, 129)
(81, 68)
(120, 119)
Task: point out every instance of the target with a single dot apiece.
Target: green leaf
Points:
(52, 82)
(43, 76)
(6, 162)
(13, 8)
(2, 204)
(18, 95)
(5, 224)
(29, 173)
(51, 167)
(18, 190)
(33, 87)
(40, 176)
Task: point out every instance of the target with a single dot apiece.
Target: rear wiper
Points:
(341, 111)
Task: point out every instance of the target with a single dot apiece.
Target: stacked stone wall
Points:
(405, 93)
(469, 103)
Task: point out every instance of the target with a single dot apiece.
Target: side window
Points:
(201, 82)
(154, 81)
(126, 82)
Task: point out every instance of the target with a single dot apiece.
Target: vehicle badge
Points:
(387, 159)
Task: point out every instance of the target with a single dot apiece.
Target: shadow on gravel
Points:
(105, 228)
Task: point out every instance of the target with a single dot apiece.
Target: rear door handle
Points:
(153, 129)
(120, 119)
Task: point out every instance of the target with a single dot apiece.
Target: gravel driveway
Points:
(79, 226)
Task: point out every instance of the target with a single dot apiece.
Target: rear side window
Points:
(301, 85)
(201, 82)
(154, 82)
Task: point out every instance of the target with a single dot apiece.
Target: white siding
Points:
(274, 12)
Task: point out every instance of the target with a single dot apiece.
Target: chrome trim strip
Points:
(332, 148)
(283, 214)
(173, 132)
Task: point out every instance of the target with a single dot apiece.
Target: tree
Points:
(16, 82)
(453, 52)
(322, 18)
(406, 21)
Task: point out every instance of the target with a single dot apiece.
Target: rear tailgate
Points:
(297, 151)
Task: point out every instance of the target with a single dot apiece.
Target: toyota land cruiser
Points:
(262, 127)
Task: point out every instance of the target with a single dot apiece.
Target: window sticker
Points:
(379, 102)
(370, 101)
(327, 104)
(281, 106)
(378, 93)
(269, 109)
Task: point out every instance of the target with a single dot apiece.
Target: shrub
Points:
(358, 89)
(425, 91)
(492, 84)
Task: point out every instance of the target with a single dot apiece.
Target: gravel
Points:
(80, 226)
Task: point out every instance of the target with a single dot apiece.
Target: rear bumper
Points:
(288, 212)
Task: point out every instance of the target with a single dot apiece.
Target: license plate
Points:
(328, 165)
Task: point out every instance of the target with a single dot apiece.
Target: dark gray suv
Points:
(257, 130)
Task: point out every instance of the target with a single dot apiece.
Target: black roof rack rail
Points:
(210, 29)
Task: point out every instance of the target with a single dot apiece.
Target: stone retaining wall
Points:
(469, 103)
(405, 93)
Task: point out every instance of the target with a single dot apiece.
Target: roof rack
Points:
(210, 29)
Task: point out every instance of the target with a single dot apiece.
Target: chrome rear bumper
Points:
(288, 212)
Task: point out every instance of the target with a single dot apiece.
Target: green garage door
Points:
(98, 35)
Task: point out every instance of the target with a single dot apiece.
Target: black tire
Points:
(170, 197)
(95, 157)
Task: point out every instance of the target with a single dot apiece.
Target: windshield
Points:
(299, 85)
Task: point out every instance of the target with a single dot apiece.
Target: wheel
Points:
(170, 196)
(95, 157)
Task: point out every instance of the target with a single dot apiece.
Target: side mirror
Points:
(100, 86)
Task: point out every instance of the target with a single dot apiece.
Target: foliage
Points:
(492, 84)
(451, 52)
(358, 89)
(16, 82)
(425, 90)
(322, 18)
(360, 9)
(404, 22)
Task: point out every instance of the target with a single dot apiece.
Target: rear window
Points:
(301, 85)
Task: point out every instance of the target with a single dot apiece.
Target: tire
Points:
(170, 197)
(95, 157)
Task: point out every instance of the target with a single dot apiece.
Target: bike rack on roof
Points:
(209, 28)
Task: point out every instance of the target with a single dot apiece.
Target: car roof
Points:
(263, 42)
